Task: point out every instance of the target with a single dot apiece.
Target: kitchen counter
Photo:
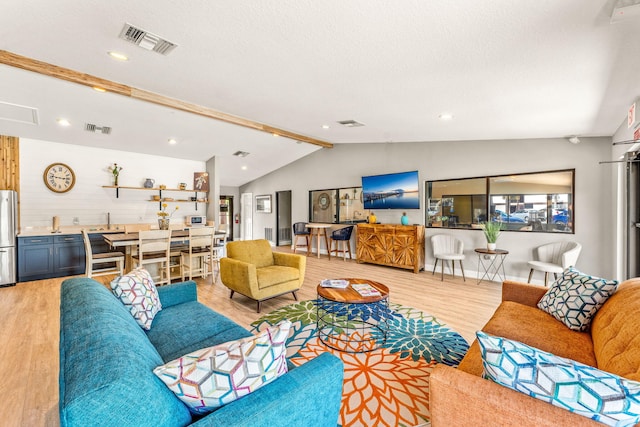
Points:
(69, 229)
(77, 229)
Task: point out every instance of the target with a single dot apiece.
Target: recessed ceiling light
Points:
(63, 122)
(244, 168)
(325, 126)
(172, 141)
(275, 134)
(445, 116)
(99, 89)
(119, 56)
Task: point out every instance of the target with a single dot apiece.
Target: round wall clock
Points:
(59, 177)
(324, 201)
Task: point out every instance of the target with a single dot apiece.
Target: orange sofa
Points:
(461, 397)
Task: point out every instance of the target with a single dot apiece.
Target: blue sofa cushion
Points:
(105, 359)
(180, 329)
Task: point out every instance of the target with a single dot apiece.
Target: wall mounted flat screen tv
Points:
(391, 191)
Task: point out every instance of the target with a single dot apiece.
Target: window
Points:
(538, 202)
(337, 205)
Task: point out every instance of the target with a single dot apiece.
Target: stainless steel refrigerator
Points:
(8, 232)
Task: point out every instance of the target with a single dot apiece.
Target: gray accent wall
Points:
(343, 166)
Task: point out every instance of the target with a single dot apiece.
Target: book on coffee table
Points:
(334, 283)
(366, 290)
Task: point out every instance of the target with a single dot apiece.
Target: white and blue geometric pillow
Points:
(575, 298)
(579, 388)
(209, 378)
(138, 293)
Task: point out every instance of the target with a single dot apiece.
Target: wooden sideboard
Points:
(392, 245)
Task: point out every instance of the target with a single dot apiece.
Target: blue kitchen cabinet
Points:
(44, 257)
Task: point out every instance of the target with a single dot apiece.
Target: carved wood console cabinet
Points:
(391, 245)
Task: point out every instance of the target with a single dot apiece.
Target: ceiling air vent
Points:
(90, 127)
(241, 154)
(350, 123)
(146, 40)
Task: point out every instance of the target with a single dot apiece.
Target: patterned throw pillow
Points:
(575, 298)
(571, 385)
(138, 293)
(209, 378)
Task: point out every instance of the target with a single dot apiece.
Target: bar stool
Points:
(341, 237)
(154, 248)
(201, 249)
(300, 231)
(114, 260)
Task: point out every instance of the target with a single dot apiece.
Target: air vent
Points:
(241, 154)
(90, 127)
(350, 123)
(146, 40)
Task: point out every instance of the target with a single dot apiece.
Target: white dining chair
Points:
(154, 248)
(447, 248)
(554, 258)
(198, 258)
(101, 264)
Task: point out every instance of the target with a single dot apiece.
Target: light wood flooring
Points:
(29, 323)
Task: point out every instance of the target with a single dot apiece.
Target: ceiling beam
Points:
(44, 68)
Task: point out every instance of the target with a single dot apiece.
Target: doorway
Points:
(283, 217)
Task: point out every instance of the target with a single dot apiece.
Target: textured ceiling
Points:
(505, 69)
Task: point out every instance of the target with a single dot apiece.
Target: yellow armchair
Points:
(252, 269)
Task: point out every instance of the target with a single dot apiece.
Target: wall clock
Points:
(324, 201)
(59, 177)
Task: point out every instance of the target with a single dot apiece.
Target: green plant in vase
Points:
(491, 232)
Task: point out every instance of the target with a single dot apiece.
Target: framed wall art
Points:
(263, 203)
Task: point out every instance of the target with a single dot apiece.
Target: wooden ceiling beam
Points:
(44, 68)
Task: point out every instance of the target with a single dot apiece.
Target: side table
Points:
(491, 262)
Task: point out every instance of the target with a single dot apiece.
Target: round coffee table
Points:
(351, 322)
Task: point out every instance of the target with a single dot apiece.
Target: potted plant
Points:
(491, 231)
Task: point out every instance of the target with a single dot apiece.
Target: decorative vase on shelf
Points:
(149, 183)
(372, 218)
(404, 219)
(115, 180)
(163, 223)
(491, 246)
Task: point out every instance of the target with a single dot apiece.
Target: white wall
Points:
(87, 200)
(343, 166)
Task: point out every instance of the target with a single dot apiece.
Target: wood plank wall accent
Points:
(391, 245)
(10, 160)
(10, 165)
(73, 76)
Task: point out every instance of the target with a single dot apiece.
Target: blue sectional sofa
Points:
(106, 364)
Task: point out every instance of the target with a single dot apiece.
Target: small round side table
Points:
(491, 262)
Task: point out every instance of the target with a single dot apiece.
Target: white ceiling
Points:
(505, 69)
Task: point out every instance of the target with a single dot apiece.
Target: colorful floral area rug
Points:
(384, 387)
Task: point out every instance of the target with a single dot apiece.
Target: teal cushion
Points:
(183, 328)
(575, 298)
(579, 388)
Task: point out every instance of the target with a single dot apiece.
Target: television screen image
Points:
(391, 191)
